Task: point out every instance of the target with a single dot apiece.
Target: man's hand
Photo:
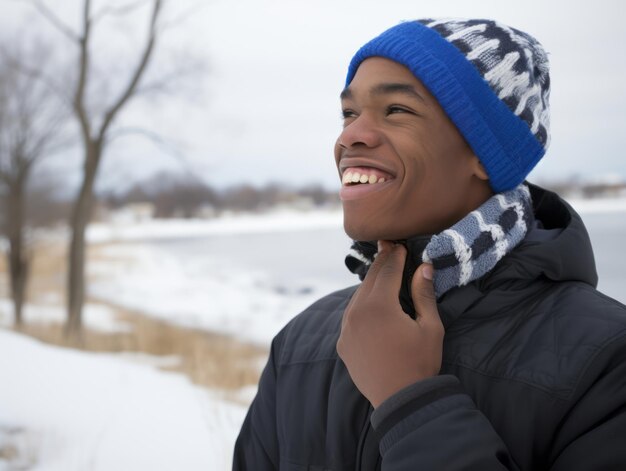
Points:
(382, 347)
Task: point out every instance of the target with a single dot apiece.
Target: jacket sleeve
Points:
(256, 447)
(590, 434)
(434, 423)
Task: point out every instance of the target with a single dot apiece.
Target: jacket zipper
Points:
(363, 439)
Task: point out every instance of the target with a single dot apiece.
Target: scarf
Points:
(468, 250)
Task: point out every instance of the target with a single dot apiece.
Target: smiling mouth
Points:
(364, 176)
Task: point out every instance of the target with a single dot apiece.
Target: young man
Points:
(477, 339)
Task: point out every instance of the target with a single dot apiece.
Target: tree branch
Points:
(30, 116)
(48, 141)
(161, 85)
(36, 74)
(83, 66)
(143, 62)
(117, 11)
(183, 16)
(168, 146)
(55, 20)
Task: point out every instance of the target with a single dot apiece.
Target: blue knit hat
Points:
(491, 80)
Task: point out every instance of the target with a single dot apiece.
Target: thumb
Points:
(423, 293)
(389, 263)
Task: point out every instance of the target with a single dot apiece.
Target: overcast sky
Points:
(270, 108)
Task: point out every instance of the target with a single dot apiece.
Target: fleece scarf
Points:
(466, 251)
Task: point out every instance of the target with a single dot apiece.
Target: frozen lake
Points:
(294, 262)
(608, 236)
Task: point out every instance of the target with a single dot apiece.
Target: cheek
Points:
(425, 199)
(337, 151)
(444, 160)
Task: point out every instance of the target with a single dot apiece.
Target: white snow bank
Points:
(95, 316)
(279, 221)
(197, 292)
(599, 205)
(71, 411)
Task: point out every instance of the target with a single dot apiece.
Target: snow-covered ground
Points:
(222, 275)
(70, 411)
(599, 205)
(95, 316)
(66, 410)
(197, 291)
(245, 223)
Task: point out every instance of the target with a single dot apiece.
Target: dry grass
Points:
(208, 359)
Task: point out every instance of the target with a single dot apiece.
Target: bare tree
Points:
(30, 122)
(95, 123)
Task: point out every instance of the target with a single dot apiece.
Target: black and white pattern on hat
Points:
(513, 63)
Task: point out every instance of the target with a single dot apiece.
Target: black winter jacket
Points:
(533, 376)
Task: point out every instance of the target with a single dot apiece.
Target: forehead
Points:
(380, 75)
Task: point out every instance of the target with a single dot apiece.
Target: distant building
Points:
(604, 190)
(206, 211)
(605, 187)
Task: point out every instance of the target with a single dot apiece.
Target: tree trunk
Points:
(18, 260)
(81, 214)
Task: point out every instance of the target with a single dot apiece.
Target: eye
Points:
(395, 109)
(347, 113)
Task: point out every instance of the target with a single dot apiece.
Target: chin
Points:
(358, 231)
(366, 231)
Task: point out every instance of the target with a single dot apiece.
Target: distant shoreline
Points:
(267, 222)
(598, 205)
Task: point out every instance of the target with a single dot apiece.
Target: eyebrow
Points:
(387, 89)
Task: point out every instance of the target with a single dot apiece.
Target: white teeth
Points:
(356, 177)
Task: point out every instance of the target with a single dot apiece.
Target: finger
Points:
(348, 309)
(366, 287)
(389, 275)
(423, 293)
(384, 250)
(368, 281)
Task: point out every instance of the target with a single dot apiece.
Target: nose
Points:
(361, 131)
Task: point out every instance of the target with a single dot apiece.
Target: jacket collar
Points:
(533, 260)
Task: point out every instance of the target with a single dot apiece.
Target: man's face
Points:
(421, 175)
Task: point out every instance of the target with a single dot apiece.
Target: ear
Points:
(478, 169)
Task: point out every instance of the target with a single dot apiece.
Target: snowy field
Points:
(64, 410)
(243, 276)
